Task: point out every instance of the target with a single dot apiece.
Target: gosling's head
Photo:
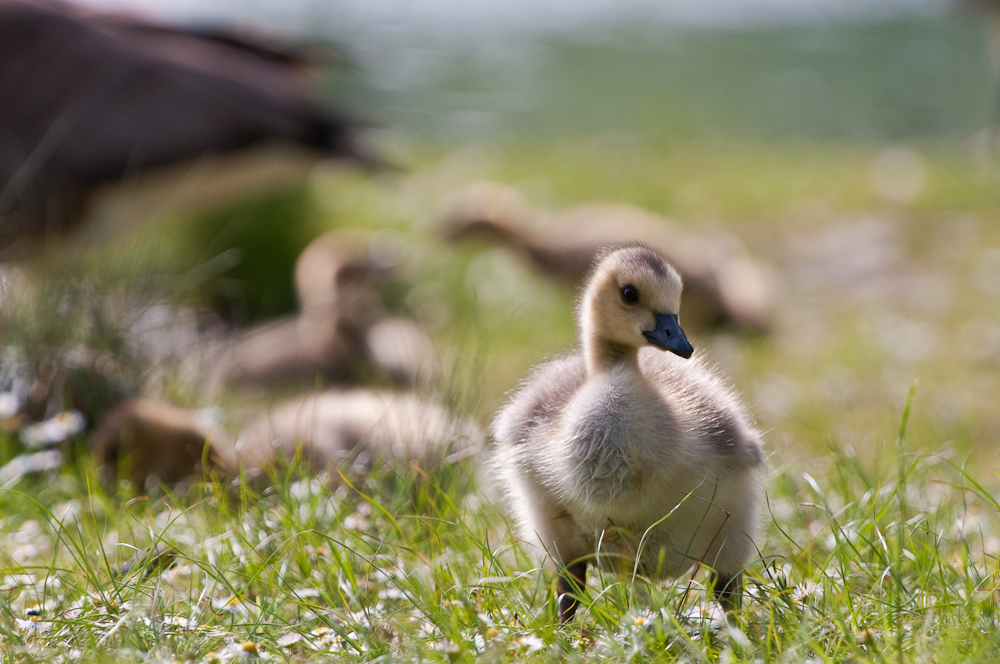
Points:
(631, 299)
(340, 269)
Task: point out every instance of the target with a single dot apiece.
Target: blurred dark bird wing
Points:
(91, 97)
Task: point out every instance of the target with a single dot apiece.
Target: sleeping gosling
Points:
(335, 430)
(644, 453)
(352, 430)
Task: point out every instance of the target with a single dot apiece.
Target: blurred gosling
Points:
(153, 442)
(347, 430)
(644, 454)
(340, 334)
(354, 429)
(724, 285)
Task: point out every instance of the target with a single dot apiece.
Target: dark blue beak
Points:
(668, 335)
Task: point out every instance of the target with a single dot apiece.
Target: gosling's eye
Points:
(630, 294)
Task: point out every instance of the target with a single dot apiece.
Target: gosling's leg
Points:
(728, 590)
(572, 579)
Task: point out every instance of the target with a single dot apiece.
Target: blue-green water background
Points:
(885, 79)
(485, 69)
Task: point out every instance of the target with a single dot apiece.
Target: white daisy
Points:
(806, 592)
(530, 643)
(32, 623)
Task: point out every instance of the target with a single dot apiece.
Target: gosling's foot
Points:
(727, 590)
(571, 581)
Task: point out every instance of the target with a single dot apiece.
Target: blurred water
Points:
(881, 78)
(462, 19)
(456, 70)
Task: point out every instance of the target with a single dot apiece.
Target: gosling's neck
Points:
(603, 356)
(514, 233)
(601, 352)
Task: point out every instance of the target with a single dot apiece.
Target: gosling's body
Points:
(353, 429)
(158, 442)
(614, 453)
(599, 446)
(347, 430)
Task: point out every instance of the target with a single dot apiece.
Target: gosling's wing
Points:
(90, 97)
(534, 407)
(709, 408)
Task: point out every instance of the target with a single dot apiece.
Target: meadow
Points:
(877, 388)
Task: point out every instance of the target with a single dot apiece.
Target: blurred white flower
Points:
(325, 638)
(701, 613)
(640, 619)
(9, 403)
(307, 593)
(179, 621)
(26, 464)
(305, 488)
(530, 643)
(233, 605)
(806, 592)
(358, 521)
(14, 581)
(391, 593)
(29, 542)
(244, 651)
(53, 430)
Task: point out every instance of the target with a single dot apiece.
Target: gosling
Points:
(339, 333)
(347, 430)
(725, 286)
(644, 454)
(354, 429)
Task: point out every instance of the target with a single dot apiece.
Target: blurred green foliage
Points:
(260, 238)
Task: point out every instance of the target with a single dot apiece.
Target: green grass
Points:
(877, 390)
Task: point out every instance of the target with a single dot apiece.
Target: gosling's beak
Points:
(668, 335)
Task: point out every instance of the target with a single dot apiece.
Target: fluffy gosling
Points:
(646, 454)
